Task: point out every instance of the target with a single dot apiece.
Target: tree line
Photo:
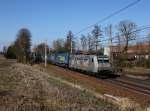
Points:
(20, 49)
(92, 42)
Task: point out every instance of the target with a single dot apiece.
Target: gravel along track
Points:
(142, 83)
(131, 86)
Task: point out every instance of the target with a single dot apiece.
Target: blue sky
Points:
(52, 19)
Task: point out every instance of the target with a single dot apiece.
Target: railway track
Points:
(138, 82)
(130, 86)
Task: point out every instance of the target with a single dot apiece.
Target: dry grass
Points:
(90, 83)
(138, 71)
(23, 88)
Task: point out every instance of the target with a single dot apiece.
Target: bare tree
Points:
(118, 41)
(40, 49)
(23, 45)
(59, 45)
(97, 34)
(89, 39)
(4, 50)
(126, 30)
(83, 42)
(10, 51)
(109, 33)
(148, 36)
(69, 42)
(139, 46)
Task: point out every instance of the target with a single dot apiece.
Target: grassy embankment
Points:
(23, 88)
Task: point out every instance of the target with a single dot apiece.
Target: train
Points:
(92, 64)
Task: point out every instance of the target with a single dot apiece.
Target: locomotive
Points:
(92, 64)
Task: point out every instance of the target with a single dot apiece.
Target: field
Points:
(24, 88)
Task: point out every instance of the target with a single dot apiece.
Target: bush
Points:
(10, 53)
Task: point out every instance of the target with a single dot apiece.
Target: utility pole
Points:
(111, 44)
(71, 46)
(45, 53)
(109, 33)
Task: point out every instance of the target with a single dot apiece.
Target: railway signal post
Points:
(45, 55)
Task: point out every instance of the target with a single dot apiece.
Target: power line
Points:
(145, 37)
(142, 40)
(138, 30)
(109, 16)
(114, 38)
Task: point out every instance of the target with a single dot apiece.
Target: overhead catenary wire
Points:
(144, 37)
(109, 16)
(141, 28)
(137, 30)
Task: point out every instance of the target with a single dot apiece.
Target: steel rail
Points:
(129, 86)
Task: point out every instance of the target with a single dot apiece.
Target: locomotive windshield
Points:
(103, 60)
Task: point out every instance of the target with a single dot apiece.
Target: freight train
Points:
(92, 64)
